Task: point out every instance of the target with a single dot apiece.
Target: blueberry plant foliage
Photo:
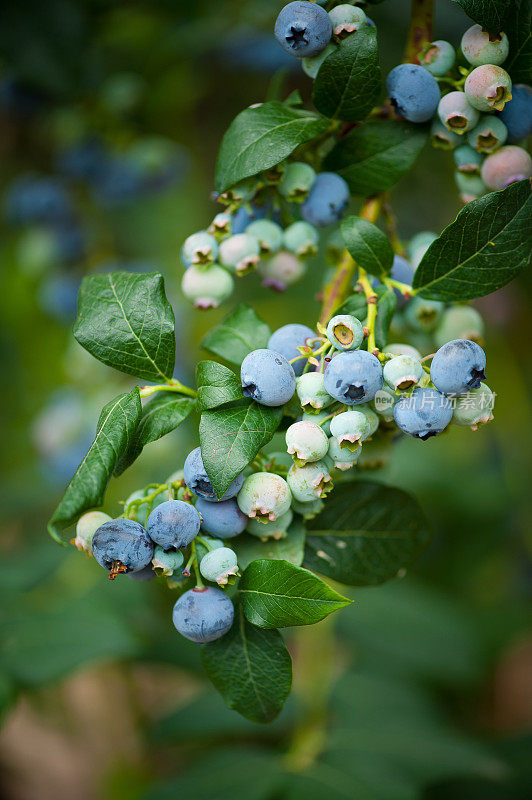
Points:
(276, 501)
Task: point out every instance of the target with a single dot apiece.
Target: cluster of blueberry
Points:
(481, 119)
(243, 239)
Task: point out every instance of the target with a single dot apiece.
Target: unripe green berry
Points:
(438, 57)
(474, 408)
(457, 113)
(301, 238)
(240, 253)
(264, 496)
(471, 187)
(459, 322)
(306, 442)
(479, 47)
(268, 234)
(343, 458)
(221, 226)
(319, 418)
(166, 562)
(86, 527)
(276, 529)
(371, 417)
(345, 332)
(207, 287)
(308, 510)
(467, 160)
(311, 392)
(346, 19)
(443, 138)
(350, 428)
(281, 270)
(219, 565)
(241, 192)
(298, 178)
(384, 402)
(310, 482)
(402, 350)
(489, 134)
(423, 315)
(199, 249)
(402, 373)
(488, 88)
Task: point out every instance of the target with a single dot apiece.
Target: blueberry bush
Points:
(274, 509)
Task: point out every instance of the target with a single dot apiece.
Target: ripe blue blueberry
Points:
(287, 339)
(459, 322)
(402, 373)
(438, 57)
(458, 366)
(342, 457)
(86, 527)
(517, 114)
(456, 112)
(480, 47)
(166, 563)
(297, 180)
(173, 524)
(219, 565)
(222, 520)
(207, 287)
(353, 377)
(203, 615)
(345, 332)
(275, 529)
(240, 253)
(346, 19)
(488, 88)
(327, 200)
(281, 270)
(488, 134)
(122, 545)
(505, 166)
(413, 92)
(312, 393)
(199, 483)
(264, 496)
(425, 413)
(301, 239)
(467, 159)
(306, 442)
(303, 29)
(311, 482)
(267, 377)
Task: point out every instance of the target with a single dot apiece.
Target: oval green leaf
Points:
(368, 246)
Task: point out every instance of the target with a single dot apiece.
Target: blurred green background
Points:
(423, 687)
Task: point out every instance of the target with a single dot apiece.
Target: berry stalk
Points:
(420, 29)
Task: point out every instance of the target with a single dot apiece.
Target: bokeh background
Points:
(111, 113)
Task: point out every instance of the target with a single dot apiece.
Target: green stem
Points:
(199, 582)
(172, 386)
(404, 288)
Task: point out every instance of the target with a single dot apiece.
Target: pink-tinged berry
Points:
(506, 166)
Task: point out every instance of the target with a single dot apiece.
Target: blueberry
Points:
(413, 92)
(219, 565)
(459, 322)
(222, 520)
(268, 378)
(203, 615)
(353, 377)
(488, 134)
(322, 419)
(345, 332)
(166, 562)
(426, 413)
(122, 545)
(306, 442)
(302, 239)
(418, 246)
(246, 214)
(287, 339)
(423, 315)
(467, 160)
(401, 349)
(443, 138)
(207, 287)
(471, 186)
(30, 198)
(239, 253)
(199, 248)
(199, 483)
(241, 192)
(346, 19)
(402, 271)
(474, 408)
(327, 200)
(276, 529)
(488, 88)
(371, 417)
(268, 234)
(402, 372)
(438, 57)
(343, 458)
(303, 29)
(384, 403)
(458, 366)
(310, 482)
(312, 393)
(350, 428)
(456, 112)
(308, 510)
(264, 496)
(481, 47)
(297, 181)
(173, 524)
(221, 226)
(517, 114)
(505, 166)
(86, 527)
(142, 510)
(281, 270)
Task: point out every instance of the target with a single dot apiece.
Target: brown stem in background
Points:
(420, 30)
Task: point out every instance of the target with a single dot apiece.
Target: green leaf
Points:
(125, 321)
(356, 305)
(366, 533)
(490, 14)
(251, 668)
(231, 437)
(486, 246)
(291, 548)
(115, 432)
(163, 413)
(368, 245)
(277, 594)
(519, 31)
(216, 385)
(374, 157)
(237, 334)
(348, 83)
(261, 137)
